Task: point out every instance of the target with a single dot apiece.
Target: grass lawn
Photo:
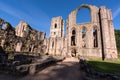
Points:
(105, 66)
(119, 55)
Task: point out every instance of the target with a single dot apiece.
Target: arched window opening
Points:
(95, 41)
(29, 49)
(83, 37)
(83, 33)
(3, 26)
(73, 43)
(73, 53)
(54, 33)
(83, 16)
(73, 32)
(55, 25)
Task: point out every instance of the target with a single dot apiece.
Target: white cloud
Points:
(116, 13)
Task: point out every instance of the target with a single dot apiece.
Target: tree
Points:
(117, 37)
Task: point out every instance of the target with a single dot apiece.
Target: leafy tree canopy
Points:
(117, 36)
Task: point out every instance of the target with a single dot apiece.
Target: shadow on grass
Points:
(106, 67)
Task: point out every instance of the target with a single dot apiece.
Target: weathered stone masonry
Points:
(94, 39)
(23, 38)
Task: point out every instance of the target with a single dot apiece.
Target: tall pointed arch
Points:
(73, 37)
(84, 36)
(83, 14)
(95, 36)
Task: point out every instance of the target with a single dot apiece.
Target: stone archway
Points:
(83, 15)
(95, 36)
(89, 7)
(73, 52)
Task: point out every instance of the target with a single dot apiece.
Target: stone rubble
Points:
(23, 38)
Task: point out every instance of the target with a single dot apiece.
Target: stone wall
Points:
(95, 39)
(23, 38)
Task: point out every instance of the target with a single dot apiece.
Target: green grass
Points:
(105, 66)
(119, 55)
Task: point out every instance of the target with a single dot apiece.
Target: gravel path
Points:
(66, 70)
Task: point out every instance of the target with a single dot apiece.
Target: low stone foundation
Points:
(26, 64)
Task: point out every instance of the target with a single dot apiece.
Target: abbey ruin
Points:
(95, 39)
(23, 38)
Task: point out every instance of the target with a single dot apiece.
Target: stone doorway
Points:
(73, 38)
(73, 53)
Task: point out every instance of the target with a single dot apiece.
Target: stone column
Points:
(32, 69)
(105, 30)
(88, 38)
(98, 36)
(111, 27)
(113, 52)
(32, 48)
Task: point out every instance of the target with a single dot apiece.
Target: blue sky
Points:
(38, 13)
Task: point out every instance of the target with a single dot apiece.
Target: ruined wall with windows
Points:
(23, 38)
(55, 43)
(94, 39)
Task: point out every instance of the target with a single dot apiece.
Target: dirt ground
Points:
(66, 70)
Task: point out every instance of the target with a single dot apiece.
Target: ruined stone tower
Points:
(22, 29)
(23, 38)
(95, 39)
(57, 27)
(55, 43)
